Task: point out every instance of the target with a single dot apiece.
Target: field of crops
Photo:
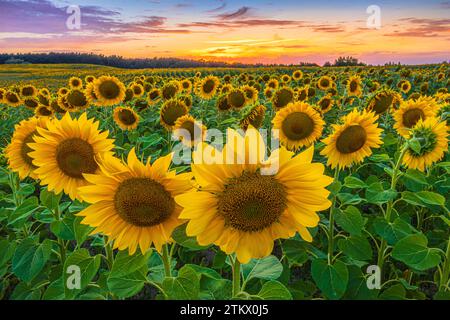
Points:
(265, 183)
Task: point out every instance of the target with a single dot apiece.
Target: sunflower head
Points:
(325, 103)
(282, 97)
(170, 111)
(75, 83)
(189, 131)
(411, 111)
(89, 79)
(170, 89)
(297, 75)
(353, 140)
(222, 103)
(427, 142)
(236, 98)
(354, 86)
(108, 90)
(28, 91)
(383, 100)
(43, 111)
(154, 96)
(272, 84)
(186, 84)
(254, 117)
(54, 105)
(251, 94)
(77, 99)
(12, 98)
(126, 118)
(325, 83)
(63, 91)
(208, 87)
(138, 89)
(31, 103)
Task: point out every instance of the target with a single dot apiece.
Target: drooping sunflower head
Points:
(66, 150)
(208, 87)
(170, 89)
(282, 97)
(43, 111)
(63, 104)
(410, 112)
(77, 99)
(17, 151)
(236, 98)
(353, 140)
(325, 103)
(138, 209)
(298, 125)
(126, 118)
(170, 111)
(187, 99)
(109, 90)
(54, 105)
(28, 91)
(254, 117)
(354, 87)
(189, 131)
(431, 142)
(12, 98)
(222, 103)
(75, 83)
(243, 209)
(44, 99)
(325, 83)
(383, 101)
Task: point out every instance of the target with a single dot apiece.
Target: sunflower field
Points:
(329, 183)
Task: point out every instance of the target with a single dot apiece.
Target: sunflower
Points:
(236, 98)
(75, 83)
(12, 99)
(44, 99)
(67, 149)
(243, 210)
(404, 86)
(251, 94)
(410, 112)
(170, 89)
(138, 89)
(433, 138)
(282, 97)
(63, 91)
(297, 75)
(187, 99)
(222, 103)
(154, 96)
(133, 204)
(126, 118)
(186, 86)
(226, 88)
(286, 79)
(354, 86)
(44, 92)
(298, 124)
(254, 117)
(170, 111)
(353, 140)
(77, 99)
(109, 90)
(268, 93)
(2, 95)
(17, 151)
(325, 83)
(63, 104)
(89, 79)
(189, 131)
(31, 102)
(28, 91)
(325, 103)
(208, 87)
(54, 105)
(273, 84)
(383, 101)
(43, 111)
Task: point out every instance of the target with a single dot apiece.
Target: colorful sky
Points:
(267, 31)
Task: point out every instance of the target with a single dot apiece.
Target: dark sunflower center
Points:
(252, 202)
(75, 157)
(172, 112)
(208, 86)
(190, 127)
(353, 86)
(137, 90)
(143, 202)
(185, 85)
(31, 103)
(412, 116)
(169, 91)
(76, 98)
(351, 139)
(27, 91)
(12, 97)
(325, 103)
(109, 89)
(236, 99)
(297, 126)
(154, 94)
(127, 117)
(26, 149)
(75, 83)
(44, 111)
(325, 83)
(382, 103)
(283, 97)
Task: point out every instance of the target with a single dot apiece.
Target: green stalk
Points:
(446, 268)
(331, 220)
(166, 260)
(236, 276)
(395, 176)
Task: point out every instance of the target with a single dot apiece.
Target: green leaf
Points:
(396, 292)
(413, 251)
(295, 251)
(415, 145)
(268, 268)
(392, 232)
(376, 194)
(354, 183)
(350, 220)
(274, 290)
(49, 199)
(180, 237)
(22, 212)
(356, 247)
(186, 286)
(81, 231)
(30, 258)
(335, 187)
(429, 197)
(332, 279)
(6, 251)
(88, 268)
(55, 291)
(348, 198)
(64, 228)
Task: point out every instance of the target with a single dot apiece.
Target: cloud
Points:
(421, 27)
(218, 9)
(241, 12)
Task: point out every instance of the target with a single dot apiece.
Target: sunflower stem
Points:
(331, 220)
(166, 260)
(236, 276)
(109, 254)
(446, 268)
(395, 176)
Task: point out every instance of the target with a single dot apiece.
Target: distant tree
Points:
(15, 61)
(347, 62)
(327, 64)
